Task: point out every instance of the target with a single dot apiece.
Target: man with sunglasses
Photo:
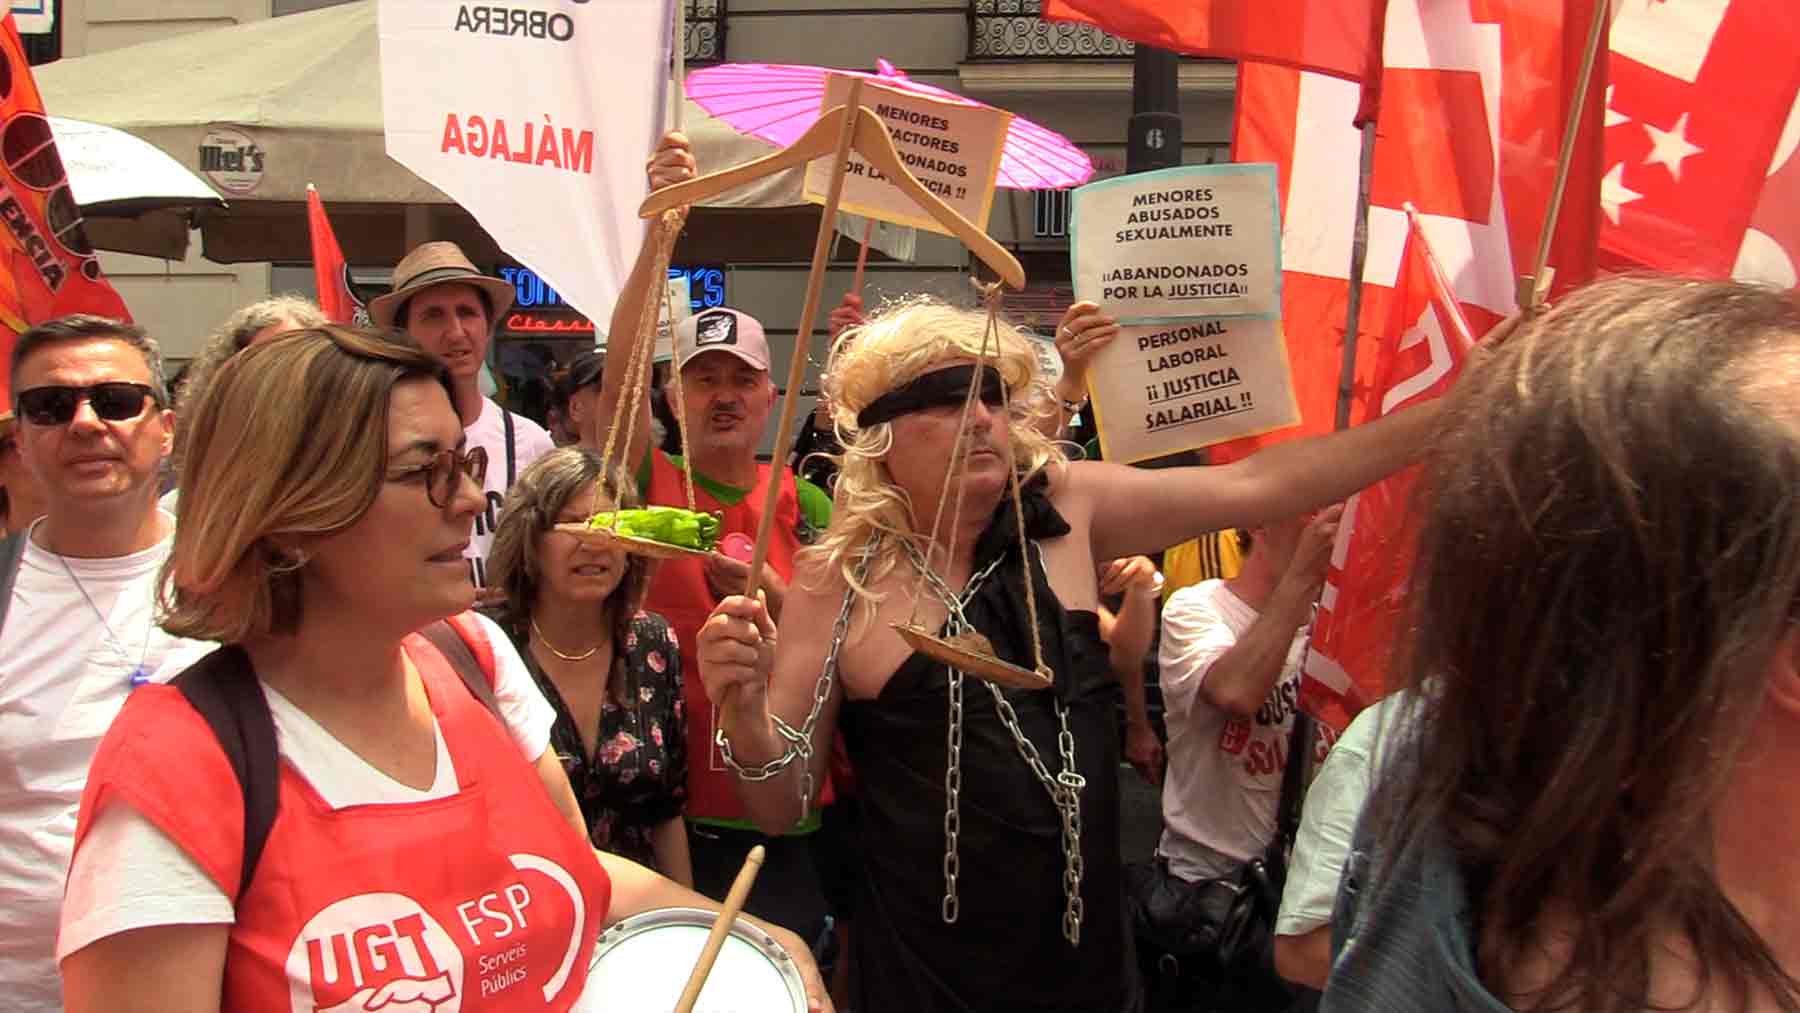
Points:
(451, 309)
(77, 625)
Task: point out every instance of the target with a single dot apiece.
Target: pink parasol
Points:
(777, 102)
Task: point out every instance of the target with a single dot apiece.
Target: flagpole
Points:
(1531, 288)
(678, 65)
(1359, 256)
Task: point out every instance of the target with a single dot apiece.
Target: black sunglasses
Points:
(114, 401)
(441, 471)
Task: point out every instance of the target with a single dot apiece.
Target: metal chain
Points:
(799, 742)
(1064, 788)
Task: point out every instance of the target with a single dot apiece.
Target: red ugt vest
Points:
(679, 593)
(486, 900)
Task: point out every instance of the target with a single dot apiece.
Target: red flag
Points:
(1700, 178)
(331, 275)
(1424, 339)
(1338, 37)
(50, 269)
(1475, 95)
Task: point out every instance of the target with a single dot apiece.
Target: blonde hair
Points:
(899, 344)
(289, 439)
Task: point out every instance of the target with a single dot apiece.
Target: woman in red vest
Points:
(426, 851)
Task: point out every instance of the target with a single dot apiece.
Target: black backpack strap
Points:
(223, 688)
(455, 650)
(12, 549)
(512, 471)
(1293, 786)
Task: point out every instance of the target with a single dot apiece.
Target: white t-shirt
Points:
(1223, 781)
(530, 442)
(1333, 804)
(130, 875)
(64, 674)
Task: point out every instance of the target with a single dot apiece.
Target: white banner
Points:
(953, 149)
(1164, 389)
(537, 121)
(1192, 241)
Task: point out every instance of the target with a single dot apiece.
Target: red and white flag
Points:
(1337, 37)
(1424, 340)
(1475, 95)
(331, 275)
(49, 269)
(1474, 98)
(1702, 127)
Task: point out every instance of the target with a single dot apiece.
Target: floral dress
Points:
(637, 778)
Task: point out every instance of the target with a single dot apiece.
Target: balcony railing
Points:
(704, 39)
(1013, 29)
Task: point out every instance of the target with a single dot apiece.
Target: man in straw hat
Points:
(989, 819)
(722, 368)
(451, 309)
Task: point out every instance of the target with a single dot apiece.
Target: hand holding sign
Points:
(1083, 332)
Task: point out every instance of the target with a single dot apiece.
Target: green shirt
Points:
(814, 502)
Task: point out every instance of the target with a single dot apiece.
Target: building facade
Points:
(1070, 79)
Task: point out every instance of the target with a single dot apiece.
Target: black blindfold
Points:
(940, 387)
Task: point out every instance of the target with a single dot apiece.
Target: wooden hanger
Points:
(870, 140)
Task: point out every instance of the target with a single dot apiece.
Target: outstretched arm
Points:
(672, 163)
(1132, 511)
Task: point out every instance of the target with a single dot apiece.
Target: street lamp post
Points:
(1153, 138)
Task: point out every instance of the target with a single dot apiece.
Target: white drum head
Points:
(641, 964)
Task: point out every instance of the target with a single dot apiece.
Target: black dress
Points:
(1006, 951)
(637, 777)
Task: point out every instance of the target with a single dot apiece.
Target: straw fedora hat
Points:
(434, 264)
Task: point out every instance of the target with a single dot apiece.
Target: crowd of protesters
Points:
(344, 720)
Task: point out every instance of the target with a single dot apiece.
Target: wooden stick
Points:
(715, 940)
(809, 311)
(678, 66)
(1533, 286)
(862, 257)
(1359, 256)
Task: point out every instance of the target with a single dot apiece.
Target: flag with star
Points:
(1702, 124)
(1474, 98)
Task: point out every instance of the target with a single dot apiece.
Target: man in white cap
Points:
(722, 364)
(451, 309)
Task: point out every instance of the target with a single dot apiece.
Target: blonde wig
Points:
(893, 348)
(289, 442)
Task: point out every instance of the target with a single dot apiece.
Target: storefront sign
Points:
(1192, 241)
(34, 17)
(1162, 389)
(954, 150)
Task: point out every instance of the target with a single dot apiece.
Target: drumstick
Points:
(715, 940)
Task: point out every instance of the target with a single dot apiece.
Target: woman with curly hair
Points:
(990, 818)
(611, 670)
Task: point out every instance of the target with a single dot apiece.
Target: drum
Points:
(641, 964)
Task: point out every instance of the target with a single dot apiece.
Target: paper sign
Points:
(1192, 241)
(536, 119)
(680, 299)
(1163, 389)
(953, 149)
